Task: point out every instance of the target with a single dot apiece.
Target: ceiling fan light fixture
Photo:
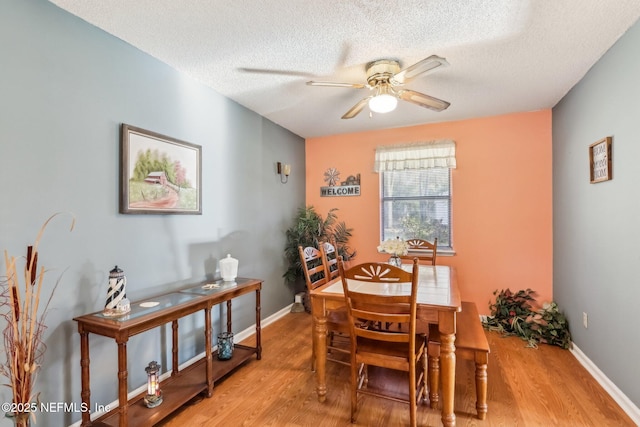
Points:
(383, 102)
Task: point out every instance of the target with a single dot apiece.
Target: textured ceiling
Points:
(505, 56)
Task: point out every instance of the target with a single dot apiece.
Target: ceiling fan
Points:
(386, 80)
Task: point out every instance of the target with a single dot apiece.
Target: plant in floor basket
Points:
(513, 313)
(23, 306)
(394, 247)
(310, 229)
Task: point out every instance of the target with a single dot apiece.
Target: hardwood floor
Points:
(527, 387)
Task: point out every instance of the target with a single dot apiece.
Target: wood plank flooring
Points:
(527, 387)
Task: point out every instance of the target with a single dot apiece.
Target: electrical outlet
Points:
(585, 320)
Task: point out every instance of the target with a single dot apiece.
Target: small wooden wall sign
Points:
(600, 160)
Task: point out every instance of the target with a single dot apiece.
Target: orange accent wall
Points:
(501, 198)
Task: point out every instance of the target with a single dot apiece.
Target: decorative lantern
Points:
(154, 395)
(229, 268)
(117, 303)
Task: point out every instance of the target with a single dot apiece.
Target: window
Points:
(416, 203)
(415, 187)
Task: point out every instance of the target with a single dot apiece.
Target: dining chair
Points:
(330, 258)
(389, 298)
(315, 274)
(422, 245)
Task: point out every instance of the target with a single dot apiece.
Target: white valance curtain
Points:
(416, 155)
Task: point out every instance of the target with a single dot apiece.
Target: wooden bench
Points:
(471, 343)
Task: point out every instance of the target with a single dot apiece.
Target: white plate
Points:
(147, 304)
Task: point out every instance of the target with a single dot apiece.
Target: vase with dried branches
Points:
(23, 305)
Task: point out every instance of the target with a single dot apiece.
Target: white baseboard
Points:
(621, 399)
(237, 337)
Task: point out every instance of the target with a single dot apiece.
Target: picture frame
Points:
(159, 174)
(600, 160)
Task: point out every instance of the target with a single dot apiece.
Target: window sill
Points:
(441, 252)
(446, 252)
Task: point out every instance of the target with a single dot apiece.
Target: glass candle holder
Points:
(225, 345)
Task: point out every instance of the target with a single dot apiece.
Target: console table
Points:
(184, 384)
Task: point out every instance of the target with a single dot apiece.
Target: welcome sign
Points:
(336, 188)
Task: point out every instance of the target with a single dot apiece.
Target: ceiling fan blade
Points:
(427, 64)
(357, 108)
(423, 100)
(336, 84)
(277, 72)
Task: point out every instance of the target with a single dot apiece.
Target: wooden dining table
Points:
(438, 302)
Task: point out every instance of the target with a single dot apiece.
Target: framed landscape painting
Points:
(159, 174)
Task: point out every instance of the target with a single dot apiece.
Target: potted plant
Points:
(310, 229)
(513, 313)
(24, 308)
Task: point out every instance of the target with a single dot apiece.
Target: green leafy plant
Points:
(424, 228)
(514, 314)
(310, 229)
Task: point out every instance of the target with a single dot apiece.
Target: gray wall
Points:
(596, 229)
(65, 88)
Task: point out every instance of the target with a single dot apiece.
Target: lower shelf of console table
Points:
(176, 390)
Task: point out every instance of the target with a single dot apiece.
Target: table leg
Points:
(85, 393)
(320, 341)
(208, 353)
(229, 329)
(314, 346)
(481, 384)
(258, 329)
(174, 350)
(447, 329)
(122, 381)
